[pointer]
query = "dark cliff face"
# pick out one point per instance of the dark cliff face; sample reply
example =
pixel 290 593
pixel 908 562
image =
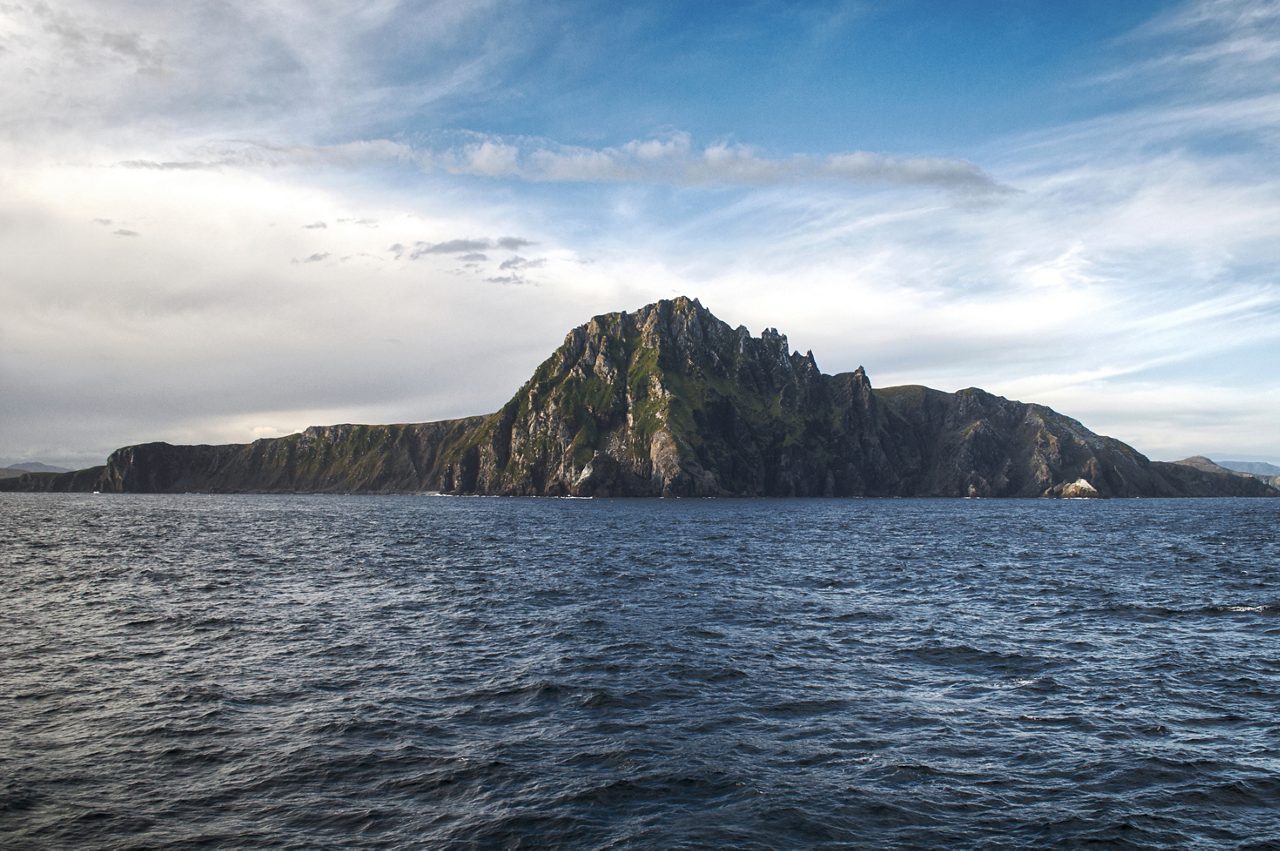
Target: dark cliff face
pixel 327 459
pixel 972 443
pixel 670 401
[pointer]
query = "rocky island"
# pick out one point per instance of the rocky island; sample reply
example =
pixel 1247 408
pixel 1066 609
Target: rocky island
pixel 670 401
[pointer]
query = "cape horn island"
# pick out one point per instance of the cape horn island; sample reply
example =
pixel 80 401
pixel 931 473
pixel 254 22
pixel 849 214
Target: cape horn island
pixel 668 400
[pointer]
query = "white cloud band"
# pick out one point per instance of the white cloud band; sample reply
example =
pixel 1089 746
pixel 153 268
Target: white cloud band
pixel 667 160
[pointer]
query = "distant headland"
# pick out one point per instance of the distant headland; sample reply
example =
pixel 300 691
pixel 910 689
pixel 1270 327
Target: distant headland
pixel 670 401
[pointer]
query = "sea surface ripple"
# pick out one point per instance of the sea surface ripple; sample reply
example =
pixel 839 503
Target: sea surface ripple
pixel 303 671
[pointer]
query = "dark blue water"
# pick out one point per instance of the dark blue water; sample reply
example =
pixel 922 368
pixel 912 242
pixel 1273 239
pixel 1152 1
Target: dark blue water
pixel 416 671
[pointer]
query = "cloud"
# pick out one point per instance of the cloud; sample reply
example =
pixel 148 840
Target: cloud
pixel 315 226
pixel 1225 45
pixel 89 44
pixel 106 70
pixel 452 246
pixel 469 247
pixel 130 46
pixel 516 266
pixel 125 232
pixel 519 263
pixel 670 160
pixel 171 165
pixel 336 73
pixel 492 159
pixel 251 154
pixel 474 257
pixel 512 243
pixel 921 171
pixel 673 159
pixel 315 258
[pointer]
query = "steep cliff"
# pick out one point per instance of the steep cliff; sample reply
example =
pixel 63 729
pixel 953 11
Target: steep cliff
pixel 670 401
pixel 972 443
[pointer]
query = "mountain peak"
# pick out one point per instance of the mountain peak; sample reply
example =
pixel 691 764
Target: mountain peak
pixel 681 304
pixel 1204 464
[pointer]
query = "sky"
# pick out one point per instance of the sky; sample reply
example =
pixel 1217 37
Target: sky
pixel 224 220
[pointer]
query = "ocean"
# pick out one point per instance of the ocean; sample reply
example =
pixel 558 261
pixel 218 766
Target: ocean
pixel 418 671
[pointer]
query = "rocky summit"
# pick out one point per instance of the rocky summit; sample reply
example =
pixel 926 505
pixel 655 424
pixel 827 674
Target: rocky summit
pixel 670 401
